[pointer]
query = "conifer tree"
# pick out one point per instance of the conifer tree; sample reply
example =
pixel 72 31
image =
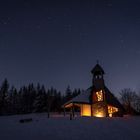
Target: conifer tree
pixel 4 97
pixel 68 93
pixel 40 100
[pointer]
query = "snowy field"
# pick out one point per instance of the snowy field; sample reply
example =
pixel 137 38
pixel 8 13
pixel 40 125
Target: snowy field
pixel 61 128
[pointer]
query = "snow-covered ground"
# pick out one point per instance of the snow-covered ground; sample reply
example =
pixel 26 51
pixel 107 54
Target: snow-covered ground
pixel 61 128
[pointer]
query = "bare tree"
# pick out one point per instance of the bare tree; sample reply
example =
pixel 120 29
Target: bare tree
pixel 128 98
pixel 137 103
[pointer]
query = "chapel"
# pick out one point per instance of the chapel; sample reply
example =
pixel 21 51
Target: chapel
pixel 97 100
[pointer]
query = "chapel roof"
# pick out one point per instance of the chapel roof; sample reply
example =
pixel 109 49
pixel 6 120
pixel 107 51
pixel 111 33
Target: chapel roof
pixel 84 98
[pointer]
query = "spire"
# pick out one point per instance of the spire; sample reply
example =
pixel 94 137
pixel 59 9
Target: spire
pixel 97 61
pixel 98 79
pixel 97 69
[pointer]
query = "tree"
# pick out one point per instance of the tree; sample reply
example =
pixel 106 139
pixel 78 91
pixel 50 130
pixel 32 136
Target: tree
pixel 4 97
pixel 76 92
pixel 27 95
pixel 13 101
pixel 68 93
pixel 137 103
pixel 128 98
pixel 31 96
pixel 50 99
pixel 40 100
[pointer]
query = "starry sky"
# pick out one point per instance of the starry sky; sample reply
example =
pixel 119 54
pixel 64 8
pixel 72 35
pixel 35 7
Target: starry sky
pixel 57 42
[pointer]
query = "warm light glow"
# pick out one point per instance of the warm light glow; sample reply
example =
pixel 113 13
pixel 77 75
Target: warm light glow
pixel 99 109
pixel 85 110
pixel 71 105
pixel 99 95
pixel 112 110
pixel 68 105
pixel 99 113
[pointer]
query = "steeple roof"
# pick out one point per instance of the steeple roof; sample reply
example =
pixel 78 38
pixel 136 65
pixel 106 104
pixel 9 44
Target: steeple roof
pixel 97 70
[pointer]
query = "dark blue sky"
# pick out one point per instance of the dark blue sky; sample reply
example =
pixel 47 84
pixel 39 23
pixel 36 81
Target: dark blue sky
pixel 57 42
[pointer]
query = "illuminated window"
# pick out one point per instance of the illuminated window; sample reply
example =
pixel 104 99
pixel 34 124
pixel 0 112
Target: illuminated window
pixel 99 95
pixel 85 110
pixel 112 110
pixel 99 109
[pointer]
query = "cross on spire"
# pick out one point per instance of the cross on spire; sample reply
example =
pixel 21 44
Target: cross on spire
pixel 97 61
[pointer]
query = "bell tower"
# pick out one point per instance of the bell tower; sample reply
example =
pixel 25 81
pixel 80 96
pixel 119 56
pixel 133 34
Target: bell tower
pixel 98 77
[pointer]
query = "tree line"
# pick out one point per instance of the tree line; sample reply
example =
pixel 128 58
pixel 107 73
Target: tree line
pixel 37 99
pixel 31 98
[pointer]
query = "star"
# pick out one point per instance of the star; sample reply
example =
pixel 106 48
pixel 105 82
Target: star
pixel 83 35
pixel 122 41
pixel 38 26
pixel 49 18
pixel 138 52
pixel 126 65
pixel 109 5
pixel 68 27
pixel 4 22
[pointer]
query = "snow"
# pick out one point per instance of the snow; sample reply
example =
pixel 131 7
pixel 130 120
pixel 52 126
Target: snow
pixel 61 128
pixel 83 97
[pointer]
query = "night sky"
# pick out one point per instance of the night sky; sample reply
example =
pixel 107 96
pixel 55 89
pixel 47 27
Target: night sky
pixel 57 43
